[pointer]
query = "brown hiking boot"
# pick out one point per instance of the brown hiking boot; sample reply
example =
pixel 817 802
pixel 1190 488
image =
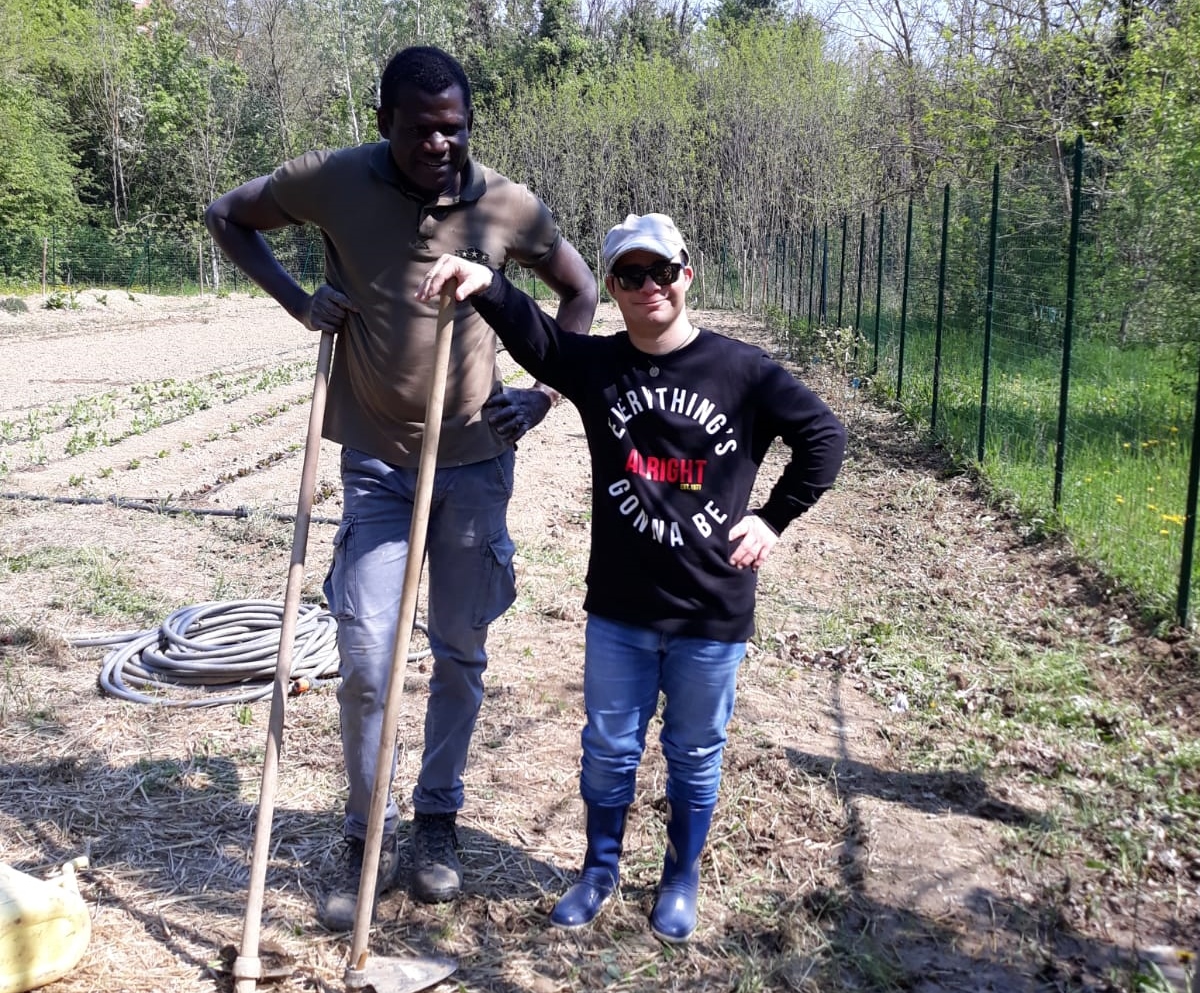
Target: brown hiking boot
pixel 437 872
pixel 336 906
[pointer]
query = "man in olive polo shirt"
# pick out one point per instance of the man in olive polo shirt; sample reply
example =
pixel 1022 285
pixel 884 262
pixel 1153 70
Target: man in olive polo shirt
pixel 386 212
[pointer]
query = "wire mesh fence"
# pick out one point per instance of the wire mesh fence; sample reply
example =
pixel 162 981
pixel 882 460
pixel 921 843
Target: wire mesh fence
pixel 1004 316
pixel 58 261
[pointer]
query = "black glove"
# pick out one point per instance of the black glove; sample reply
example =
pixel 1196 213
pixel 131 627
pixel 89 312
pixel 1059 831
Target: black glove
pixel 513 412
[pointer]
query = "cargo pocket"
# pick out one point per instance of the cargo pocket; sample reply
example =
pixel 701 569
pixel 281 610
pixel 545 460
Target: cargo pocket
pixel 339 580
pixel 500 581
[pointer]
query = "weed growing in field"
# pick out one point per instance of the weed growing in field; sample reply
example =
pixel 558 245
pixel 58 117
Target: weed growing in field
pixel 61 301
pixel 99 584
pixel 83 441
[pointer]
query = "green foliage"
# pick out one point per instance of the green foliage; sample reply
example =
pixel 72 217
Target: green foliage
pixel 36 174
pixel 60 301
pixel 1150 241
pixel 732 15
pixel 38 168
pixel 751 127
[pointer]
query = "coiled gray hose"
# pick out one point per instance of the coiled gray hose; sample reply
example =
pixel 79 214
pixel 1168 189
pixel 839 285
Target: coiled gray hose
pixel 228 648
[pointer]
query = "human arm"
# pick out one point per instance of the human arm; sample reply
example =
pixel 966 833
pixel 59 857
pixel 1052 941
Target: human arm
pixel 513 411
pixel 568 275
pixel 531 335
pixel 235 220
pixel 792 412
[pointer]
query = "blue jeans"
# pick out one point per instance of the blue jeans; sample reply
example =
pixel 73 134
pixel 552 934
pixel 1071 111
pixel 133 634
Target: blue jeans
pixel 471 583
pixel 624 670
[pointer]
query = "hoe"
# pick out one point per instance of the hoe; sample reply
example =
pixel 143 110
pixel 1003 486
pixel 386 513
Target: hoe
pixel 381 974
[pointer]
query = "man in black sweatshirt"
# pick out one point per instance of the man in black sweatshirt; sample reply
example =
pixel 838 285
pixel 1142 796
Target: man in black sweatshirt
pixel 678 419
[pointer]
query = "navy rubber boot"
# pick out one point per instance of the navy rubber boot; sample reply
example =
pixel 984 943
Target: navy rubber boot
pixel 600 875
pixel 673 918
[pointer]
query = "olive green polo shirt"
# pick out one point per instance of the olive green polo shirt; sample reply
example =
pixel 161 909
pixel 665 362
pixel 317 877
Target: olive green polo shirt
pixel 380 240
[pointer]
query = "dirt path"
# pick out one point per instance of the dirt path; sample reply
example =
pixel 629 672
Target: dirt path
pixel 860 844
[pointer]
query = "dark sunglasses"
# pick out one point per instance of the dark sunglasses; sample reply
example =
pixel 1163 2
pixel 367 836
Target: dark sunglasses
pixel 631 277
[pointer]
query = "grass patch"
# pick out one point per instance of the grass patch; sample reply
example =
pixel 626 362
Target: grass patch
pixel 1011 707
pixel 91 582
pixel 1127 443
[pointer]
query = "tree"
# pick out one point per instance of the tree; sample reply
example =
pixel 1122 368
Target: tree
pixel 39 42
pixel 1150 239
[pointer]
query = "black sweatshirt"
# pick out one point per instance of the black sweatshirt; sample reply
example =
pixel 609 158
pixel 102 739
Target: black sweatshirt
pixel 675 442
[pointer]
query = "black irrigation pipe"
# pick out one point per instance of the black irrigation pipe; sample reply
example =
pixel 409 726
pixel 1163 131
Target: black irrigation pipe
pixel 159 507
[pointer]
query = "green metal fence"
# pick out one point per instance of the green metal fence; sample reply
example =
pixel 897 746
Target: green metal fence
pixel 60 260
pixel 995 314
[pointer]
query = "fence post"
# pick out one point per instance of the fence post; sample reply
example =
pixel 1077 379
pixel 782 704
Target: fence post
pixel 988 309
pixel 904 299
pixel 1182 601
pixel 941 310
pixel 800 273
pixel 823 311
pixel 842 273
pixel 1068 323
pixel 862 241
pixel 785 293
pixel 878 292
pixel 738 287
pixel 812 274
pixel 722 293
pixel 780 268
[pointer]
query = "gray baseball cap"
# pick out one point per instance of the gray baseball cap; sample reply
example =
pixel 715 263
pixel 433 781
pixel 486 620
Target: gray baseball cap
pixel 652 232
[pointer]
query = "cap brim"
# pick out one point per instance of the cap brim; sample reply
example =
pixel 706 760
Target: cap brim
pixel 645 245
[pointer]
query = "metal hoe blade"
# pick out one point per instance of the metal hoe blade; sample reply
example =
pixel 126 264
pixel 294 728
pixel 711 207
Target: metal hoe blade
pixel 394 975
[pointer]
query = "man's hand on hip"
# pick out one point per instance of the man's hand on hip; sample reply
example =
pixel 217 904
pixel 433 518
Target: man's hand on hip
pixel 513 412
pixel 327 310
